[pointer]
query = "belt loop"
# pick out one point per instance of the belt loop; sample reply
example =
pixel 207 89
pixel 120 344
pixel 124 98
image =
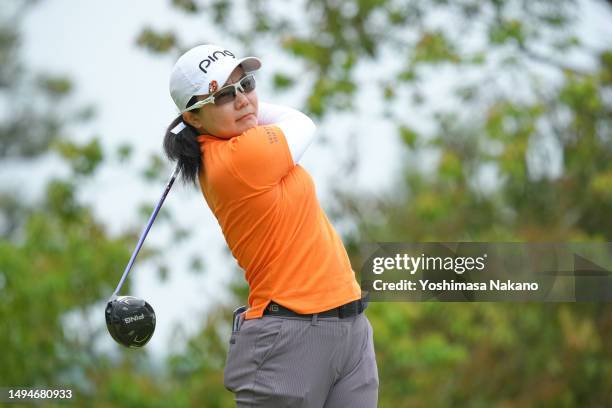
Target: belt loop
pixel 315 317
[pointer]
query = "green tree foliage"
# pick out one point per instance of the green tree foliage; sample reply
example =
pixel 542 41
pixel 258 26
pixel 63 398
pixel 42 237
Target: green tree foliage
pixel 525 114
pixel 57 261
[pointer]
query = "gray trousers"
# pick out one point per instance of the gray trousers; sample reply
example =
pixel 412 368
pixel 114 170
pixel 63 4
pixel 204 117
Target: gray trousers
pixel 292 362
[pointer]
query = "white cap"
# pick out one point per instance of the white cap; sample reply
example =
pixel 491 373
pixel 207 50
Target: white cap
pixel 202 70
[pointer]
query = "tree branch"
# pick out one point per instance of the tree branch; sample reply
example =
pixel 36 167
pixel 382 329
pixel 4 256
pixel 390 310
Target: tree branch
pixel 550 61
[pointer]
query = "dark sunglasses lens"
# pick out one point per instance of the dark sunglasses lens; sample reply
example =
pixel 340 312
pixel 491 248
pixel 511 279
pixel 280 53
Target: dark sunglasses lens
pixel 229 94
pixel 248 83
pixel 225 95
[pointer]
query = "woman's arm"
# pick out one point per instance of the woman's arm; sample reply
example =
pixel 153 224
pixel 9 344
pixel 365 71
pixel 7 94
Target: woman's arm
pixel 299 129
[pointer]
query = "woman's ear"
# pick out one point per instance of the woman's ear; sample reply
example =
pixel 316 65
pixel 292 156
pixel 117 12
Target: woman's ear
pixel 194 120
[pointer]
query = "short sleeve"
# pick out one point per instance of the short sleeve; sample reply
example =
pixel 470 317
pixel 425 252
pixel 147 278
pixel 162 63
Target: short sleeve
pixel 260 156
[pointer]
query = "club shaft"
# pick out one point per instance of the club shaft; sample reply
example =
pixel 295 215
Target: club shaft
pixel 144 233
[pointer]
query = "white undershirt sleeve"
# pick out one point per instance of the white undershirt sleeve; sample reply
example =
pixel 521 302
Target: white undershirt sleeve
pixel 299 129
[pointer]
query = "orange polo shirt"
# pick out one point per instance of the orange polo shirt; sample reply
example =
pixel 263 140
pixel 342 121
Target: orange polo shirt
pixel 273 223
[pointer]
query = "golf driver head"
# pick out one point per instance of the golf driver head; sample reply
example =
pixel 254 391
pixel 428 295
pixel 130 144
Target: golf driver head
pixel 130 321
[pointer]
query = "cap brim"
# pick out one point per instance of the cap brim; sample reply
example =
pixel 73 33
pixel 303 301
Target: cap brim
pixel 249 64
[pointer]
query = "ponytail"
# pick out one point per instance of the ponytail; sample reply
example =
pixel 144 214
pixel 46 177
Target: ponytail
pixel 181 145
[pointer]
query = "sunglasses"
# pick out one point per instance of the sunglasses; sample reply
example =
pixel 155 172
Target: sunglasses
pixel 228 93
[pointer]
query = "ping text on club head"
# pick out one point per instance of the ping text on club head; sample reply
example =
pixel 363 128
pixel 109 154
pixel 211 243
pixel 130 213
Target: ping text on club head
pixel 133 319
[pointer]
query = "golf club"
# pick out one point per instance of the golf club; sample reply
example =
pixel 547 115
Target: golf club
pixel 130 320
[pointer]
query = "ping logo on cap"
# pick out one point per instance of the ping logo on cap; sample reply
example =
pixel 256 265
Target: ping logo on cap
pixel 213 58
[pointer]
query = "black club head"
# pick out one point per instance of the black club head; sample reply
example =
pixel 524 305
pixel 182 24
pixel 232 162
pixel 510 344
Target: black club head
pixel 130 321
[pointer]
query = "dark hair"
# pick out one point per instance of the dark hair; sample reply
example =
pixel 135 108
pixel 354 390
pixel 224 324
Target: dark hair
pixel 184 148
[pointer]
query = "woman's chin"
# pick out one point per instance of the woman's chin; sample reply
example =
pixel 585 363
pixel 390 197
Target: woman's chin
pixel 247 123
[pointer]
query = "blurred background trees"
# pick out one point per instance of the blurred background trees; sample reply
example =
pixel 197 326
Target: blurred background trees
pixel 519 149
pixel 54 255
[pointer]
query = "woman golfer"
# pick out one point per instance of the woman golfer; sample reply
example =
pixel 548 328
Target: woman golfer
pixel 303 341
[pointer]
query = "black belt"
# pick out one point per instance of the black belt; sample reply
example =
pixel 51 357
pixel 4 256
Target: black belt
pixel 347 310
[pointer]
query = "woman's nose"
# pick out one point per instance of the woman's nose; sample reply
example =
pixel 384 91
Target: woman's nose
pixel 241 99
